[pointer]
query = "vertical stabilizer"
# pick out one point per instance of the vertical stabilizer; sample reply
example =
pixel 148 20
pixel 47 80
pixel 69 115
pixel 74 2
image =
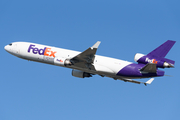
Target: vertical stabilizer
pixel 157 56
pixel 162 50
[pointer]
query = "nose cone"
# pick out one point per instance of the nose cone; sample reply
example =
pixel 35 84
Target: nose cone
pixel 6 47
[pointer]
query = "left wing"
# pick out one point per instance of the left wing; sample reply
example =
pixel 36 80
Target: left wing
pixel 86 58
pixel 138 82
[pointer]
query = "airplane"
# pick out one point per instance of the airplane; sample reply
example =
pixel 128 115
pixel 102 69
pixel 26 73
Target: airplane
pixel 87 63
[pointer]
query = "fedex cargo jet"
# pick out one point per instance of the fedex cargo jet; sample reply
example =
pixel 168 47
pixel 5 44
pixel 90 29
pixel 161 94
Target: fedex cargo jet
pixel 87 63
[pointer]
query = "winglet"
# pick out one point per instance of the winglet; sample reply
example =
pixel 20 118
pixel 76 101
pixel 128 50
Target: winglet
pixel 149 81
pixel 96 45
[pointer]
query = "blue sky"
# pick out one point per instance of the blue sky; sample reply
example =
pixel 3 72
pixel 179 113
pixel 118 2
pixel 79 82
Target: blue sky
pixel 34 91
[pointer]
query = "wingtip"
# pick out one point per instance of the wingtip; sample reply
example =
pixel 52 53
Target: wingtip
pixel 96 45
pixel 149 81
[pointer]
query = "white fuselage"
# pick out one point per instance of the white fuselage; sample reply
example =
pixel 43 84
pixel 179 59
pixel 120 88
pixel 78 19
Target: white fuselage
pixel 104 66
pixel 87 63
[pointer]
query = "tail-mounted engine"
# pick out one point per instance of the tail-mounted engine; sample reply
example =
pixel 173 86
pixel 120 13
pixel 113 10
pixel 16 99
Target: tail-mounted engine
pixel 160 62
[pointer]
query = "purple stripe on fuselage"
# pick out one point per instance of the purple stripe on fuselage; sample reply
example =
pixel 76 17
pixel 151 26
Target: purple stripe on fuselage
pixel 132 70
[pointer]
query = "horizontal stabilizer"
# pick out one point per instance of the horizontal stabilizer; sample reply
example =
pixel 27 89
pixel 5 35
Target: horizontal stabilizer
pixel 150 68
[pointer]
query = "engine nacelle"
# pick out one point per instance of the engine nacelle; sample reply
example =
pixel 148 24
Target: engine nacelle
pixel 160 62
pixel 80 74
pixel 61 61
pixel 138 56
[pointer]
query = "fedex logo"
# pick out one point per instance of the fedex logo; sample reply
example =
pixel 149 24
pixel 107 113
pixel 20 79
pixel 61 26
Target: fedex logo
pixel 151 61
pixel 45 51
pixel 59 60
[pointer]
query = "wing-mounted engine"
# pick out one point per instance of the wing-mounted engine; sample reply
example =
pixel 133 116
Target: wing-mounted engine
pixel 160 62
pixel 80 74
pixel 61 61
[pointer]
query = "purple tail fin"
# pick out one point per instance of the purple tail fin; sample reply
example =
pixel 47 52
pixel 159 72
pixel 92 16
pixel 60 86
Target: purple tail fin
pixel 163 49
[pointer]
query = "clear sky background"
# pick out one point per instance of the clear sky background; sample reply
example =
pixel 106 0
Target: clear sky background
pixel 36 91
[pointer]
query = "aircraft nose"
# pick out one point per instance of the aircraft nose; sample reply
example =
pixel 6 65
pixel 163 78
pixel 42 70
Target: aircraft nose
pixel 6 47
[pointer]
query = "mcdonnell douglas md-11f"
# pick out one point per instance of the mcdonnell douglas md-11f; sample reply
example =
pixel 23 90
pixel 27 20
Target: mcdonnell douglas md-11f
pixel 87 63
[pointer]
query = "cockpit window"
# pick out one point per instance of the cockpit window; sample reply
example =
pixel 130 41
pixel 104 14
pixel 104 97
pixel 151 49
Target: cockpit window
pixel 10 44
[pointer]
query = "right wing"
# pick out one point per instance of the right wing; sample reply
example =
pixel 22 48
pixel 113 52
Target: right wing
pixel 86 58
